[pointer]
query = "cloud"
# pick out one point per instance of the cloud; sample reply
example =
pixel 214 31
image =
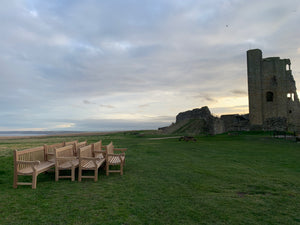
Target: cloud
pixel 64 126
pixel 239 92
pixel 156 58
pixel 144 105
pixel 107 106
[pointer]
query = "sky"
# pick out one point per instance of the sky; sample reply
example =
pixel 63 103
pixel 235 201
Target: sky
pixel 133 64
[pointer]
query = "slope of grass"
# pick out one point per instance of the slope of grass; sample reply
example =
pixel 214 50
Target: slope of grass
pixel 243 179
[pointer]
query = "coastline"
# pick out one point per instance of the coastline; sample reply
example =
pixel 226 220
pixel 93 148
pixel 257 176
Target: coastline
pixel 61 135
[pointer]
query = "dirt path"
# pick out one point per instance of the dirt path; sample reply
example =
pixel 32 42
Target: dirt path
pixel 163 138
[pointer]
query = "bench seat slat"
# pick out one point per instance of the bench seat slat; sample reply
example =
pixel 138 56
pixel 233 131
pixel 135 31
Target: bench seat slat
pixel 91 165
pixel 69 164
pixel 116 160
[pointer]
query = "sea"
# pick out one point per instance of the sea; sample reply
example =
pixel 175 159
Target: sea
pixel 33 133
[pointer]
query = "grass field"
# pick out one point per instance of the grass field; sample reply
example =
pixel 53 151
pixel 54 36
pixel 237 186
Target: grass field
pixel 242 179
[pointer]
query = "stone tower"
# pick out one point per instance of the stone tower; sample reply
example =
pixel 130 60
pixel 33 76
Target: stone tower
pixel 273 99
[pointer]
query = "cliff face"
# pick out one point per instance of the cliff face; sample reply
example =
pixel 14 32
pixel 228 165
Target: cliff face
pixel 201 121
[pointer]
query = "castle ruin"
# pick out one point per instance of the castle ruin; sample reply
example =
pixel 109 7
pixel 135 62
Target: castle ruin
pixel 273 99
pixel 273 102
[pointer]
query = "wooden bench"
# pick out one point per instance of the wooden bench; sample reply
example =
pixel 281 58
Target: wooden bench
pixel 113 159
pixel 65 160
pixel 88 161
pixel 31 162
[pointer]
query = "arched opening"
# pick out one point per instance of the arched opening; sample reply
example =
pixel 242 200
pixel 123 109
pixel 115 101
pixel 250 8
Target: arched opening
pixel 291 96
pixel 269 96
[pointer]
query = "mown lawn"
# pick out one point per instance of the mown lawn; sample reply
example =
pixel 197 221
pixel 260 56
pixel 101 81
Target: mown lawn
pixel 243 179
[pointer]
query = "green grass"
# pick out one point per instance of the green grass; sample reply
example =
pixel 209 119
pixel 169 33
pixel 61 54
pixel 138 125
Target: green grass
pixel 242 179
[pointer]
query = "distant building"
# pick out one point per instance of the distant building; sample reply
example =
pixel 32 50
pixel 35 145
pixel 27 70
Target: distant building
pixel 273 99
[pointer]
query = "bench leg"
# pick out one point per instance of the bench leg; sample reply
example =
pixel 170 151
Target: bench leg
pixel 96 175
pixel 73 173
pixel 107 169
pixel 56 173
pixel 79 174
pixel 15 180
pixel 34 179
pixel 121 169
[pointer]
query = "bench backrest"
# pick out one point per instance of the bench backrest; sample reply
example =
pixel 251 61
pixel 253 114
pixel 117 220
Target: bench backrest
pixel 97 146
pixel 50 148
pixel 65 151
pixel 110 149
pixel 78 146
pixel 70 142
pixel 31 154
pixel 86 151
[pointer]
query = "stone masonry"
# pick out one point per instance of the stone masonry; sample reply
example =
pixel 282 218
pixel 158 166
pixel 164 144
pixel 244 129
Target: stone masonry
pixel 273 99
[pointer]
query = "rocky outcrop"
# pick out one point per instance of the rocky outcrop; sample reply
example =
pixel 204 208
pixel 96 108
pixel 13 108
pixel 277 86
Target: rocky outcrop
pixel 201 121
pixel 202 113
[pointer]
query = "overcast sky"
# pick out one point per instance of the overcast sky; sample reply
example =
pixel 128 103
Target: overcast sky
pixel 133 64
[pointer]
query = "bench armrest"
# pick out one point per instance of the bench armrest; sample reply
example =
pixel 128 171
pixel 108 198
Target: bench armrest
pixel 37 162
pixel 93 159
pixel 121 154
pixel 32 164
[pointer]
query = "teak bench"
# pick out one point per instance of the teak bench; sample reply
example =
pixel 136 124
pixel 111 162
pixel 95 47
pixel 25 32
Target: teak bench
pixel 114 159
pixel 65 160
pixel 88 160
pixel 31 162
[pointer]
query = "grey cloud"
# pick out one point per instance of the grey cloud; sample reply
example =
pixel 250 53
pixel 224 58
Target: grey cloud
pixel 52 53
pixel 240 92
pixel 107 106
pixel 105 125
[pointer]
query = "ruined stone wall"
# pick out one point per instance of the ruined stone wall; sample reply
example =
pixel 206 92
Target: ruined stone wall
pixel 272 93
pixel 202 113
pixel 200 120
pixel 235 122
